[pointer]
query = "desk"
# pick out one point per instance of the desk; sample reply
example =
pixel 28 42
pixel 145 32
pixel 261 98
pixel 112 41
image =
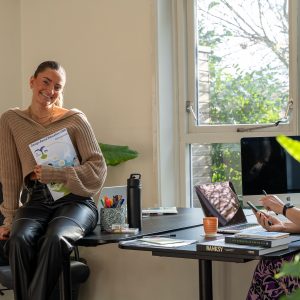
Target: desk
pixel 204 260
pixel 154 224
pixel 160 224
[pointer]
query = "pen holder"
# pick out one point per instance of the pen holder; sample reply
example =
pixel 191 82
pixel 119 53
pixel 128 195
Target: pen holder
pixel 110 216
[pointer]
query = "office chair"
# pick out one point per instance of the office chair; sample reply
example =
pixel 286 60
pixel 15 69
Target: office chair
pixel 79 271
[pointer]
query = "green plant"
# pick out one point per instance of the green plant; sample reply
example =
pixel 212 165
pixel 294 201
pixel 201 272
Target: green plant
pixel 290 268
pixel 115 154
pixel 290 145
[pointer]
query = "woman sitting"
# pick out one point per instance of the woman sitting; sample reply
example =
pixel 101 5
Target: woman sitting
pixel 264 285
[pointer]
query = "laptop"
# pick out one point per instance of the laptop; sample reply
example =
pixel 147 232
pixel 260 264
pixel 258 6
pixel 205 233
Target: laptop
pixel 220 200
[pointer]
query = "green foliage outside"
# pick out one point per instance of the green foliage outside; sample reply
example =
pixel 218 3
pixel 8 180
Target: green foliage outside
pixel 241 96
pixel 225 164
pixel 247 96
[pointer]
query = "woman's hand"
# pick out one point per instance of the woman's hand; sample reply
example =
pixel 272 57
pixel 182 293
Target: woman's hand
pixel 4 233
pixel 272 202
pixel 37 173
pixel 270 223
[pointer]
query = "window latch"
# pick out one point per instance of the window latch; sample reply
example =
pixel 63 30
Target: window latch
pixel 189 108
pixel 285 119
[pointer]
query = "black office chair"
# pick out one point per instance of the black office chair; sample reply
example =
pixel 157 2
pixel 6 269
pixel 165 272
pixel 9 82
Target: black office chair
pixel 79 271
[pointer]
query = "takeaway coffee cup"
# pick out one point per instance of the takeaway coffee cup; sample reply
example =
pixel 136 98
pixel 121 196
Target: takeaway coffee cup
pixel 210 225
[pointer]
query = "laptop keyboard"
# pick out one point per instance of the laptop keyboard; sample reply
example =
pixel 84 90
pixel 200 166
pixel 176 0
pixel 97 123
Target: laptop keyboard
pixel 237 227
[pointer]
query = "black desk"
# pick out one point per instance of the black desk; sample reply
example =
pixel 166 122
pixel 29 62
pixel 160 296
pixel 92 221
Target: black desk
pixel 204 260
pixel 154 224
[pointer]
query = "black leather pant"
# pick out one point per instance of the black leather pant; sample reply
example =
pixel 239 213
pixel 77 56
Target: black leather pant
pixel 42 237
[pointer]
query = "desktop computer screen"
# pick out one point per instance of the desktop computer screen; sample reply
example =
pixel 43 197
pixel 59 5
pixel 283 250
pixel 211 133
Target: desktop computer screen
pixel 267 166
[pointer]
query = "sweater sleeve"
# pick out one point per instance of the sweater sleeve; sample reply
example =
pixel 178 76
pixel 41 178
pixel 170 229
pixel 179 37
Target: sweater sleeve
pixel 10 171
pixel 87 178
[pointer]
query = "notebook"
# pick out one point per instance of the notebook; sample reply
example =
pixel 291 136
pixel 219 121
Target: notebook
pixel 220 200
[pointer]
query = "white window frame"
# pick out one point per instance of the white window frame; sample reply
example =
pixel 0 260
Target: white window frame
pixel 183 88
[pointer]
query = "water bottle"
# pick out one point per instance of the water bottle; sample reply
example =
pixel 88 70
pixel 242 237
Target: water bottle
pixel 134 210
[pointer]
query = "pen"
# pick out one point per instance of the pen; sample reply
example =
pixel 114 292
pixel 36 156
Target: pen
pixel 265 193
pixel 121 202
pixel 102 202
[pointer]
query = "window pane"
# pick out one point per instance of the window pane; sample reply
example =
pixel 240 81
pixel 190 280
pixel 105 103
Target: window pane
pixel 242 61
pixel 214 163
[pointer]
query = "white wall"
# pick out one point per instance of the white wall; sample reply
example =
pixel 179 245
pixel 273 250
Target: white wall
pixel 108 50
pixel 10 50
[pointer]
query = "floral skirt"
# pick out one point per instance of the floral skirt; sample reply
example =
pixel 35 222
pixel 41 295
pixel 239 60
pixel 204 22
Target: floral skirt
pixel 264 286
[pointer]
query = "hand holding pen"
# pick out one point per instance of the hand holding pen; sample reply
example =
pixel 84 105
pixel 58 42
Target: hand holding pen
pixel 272 203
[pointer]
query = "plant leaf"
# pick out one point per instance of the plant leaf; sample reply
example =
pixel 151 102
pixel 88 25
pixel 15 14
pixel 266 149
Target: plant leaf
pixel 290 268
pixel 290 145
pixel 115 154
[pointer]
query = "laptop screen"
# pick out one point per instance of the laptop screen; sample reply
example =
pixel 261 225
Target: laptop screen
pixel 220 200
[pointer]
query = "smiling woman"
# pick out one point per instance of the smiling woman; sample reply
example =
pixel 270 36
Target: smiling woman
pixel 41 233
pixel 47 85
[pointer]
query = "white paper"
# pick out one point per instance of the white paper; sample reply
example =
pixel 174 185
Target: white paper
pixel 161 242
pixel 160 210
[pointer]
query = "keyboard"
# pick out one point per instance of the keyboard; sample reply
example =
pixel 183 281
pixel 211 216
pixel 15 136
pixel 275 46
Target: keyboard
pixel 237 227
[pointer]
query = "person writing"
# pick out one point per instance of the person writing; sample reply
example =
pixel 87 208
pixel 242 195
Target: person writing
pixel 264 285
pixel 41 233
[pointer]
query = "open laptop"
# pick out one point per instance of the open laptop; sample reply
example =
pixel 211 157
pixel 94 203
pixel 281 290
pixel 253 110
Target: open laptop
pixel 220 200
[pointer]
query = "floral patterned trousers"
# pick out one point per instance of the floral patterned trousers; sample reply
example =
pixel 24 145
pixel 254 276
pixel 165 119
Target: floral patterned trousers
pixel 264 286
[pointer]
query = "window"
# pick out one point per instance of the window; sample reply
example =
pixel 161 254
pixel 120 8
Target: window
pixel 242 61
pixel 237 77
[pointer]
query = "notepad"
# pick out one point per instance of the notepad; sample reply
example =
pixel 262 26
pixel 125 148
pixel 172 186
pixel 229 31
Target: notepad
pixel 161 241
pixel 261 234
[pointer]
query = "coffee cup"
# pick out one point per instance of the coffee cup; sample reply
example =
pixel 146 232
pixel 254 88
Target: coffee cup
pixel 210 225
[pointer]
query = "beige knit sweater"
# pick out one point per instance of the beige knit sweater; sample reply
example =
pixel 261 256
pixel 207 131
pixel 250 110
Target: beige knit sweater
pixel 18 130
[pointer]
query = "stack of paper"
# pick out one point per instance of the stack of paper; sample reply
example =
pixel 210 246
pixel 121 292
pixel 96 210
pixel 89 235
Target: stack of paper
pixel 160 210
pixel 161 241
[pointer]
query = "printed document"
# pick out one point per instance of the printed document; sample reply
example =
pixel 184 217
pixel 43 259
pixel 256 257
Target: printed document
pixel 58 151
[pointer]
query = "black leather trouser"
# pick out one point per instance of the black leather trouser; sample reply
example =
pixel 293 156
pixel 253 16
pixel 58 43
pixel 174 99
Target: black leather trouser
pixel 42 237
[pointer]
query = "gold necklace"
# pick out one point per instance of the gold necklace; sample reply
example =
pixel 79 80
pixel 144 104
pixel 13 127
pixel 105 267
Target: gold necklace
pixel 44 119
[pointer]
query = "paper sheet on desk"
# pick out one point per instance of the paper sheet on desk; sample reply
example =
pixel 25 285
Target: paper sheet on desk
pixel 162 242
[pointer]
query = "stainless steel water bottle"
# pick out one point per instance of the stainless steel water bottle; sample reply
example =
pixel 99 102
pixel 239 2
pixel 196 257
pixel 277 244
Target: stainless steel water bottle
pixel 134 210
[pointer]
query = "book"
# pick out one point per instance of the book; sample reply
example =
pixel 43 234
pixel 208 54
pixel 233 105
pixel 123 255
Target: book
pixel 160 210
pixel 261 233
pixel 58 151
pixel 267 243
pixel 220 247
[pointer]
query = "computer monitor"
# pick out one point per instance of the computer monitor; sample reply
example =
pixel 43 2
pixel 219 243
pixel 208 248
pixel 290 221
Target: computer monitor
pixel 267 166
